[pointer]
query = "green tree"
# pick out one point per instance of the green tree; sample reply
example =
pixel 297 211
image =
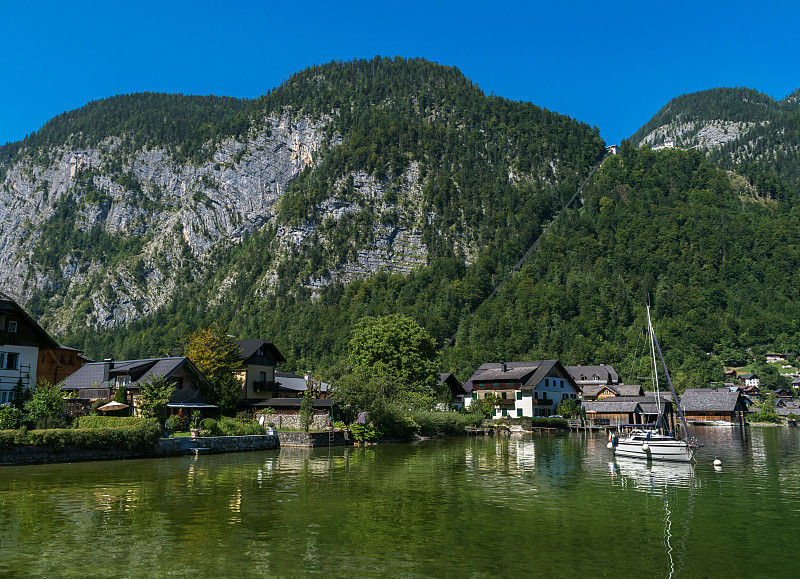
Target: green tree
pixel 765 410
pixel 156 392
pixel 46 406
pixel 21 395
pixel 217 357
pixel 307 410
pixel 213 352
pixel 398 352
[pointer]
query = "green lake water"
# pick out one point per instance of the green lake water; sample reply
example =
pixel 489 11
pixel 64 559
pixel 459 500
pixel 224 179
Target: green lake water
pixel 554 505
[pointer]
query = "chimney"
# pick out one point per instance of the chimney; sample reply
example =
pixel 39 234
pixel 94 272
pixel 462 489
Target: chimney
pixel 504 366
pixel 108 364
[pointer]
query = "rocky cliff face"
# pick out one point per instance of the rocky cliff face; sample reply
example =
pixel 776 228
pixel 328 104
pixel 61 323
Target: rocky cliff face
pixel 176 216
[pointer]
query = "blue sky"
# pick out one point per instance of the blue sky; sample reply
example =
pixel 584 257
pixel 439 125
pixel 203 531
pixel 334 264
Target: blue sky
pixel 612 65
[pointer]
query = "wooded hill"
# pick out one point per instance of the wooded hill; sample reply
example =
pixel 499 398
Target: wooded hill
pixel 479 177
pixel 740 129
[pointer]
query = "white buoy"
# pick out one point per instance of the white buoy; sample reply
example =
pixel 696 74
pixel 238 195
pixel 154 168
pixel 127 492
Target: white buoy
pixel 717 462
pixel 645 447
pixel 610 445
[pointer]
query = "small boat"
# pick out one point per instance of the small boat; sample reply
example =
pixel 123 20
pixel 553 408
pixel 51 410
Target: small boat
pixel 654 441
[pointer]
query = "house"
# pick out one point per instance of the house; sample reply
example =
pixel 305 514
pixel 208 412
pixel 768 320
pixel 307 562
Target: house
pixel 457 391
pixel 773 358
pixel 101 380
pixel 593 375
pixel 600 392
pixel 522 388
pixel 55 364
pixel 786 407
pixel 21 340
pixel 257 371
pixel 613 412
pixel 713 404
pixel 749 380
pixel 783 394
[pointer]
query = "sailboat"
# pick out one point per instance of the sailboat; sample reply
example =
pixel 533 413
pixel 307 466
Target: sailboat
pixel 654 441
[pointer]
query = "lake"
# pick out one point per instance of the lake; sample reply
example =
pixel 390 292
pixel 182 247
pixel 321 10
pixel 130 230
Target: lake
pixel 551 505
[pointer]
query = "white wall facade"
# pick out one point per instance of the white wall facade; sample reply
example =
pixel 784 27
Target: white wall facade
pixel 27 356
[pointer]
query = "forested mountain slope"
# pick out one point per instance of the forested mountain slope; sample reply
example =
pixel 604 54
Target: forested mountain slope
pixel 742 130
pixel 166 212
pixel 718 264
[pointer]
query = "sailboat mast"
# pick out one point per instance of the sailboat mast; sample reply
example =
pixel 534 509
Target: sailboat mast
pixel 653 354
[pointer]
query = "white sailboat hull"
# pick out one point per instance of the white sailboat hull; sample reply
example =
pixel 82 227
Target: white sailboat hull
pixel 666 449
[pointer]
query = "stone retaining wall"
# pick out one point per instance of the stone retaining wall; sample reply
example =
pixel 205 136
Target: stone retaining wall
pixel 340 438
pixel 293 421
pixel 163 447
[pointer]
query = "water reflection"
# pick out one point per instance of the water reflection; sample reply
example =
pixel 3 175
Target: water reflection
pixel 660 481
pixel 394 509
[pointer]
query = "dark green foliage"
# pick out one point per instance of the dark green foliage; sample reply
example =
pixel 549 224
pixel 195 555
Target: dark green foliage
pixel 361 432
pixel 209 425
pixel 10 418
pixel 766 151
pixel 237 427
pixel 306 410
pixel 444 423
pixel 110 421
pixel 140 437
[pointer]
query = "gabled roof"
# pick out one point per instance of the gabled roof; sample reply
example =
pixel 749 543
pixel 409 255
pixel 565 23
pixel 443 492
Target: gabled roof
pixel 529 373
pixel 612 406
pixel 711 400
pixel 94 373
pixel 250 347
pixel 294 382
pixel 590 390
pixel 43 339
pixel 606 374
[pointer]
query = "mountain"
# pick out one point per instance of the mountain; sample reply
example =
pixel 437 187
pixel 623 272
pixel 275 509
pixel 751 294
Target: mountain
pixel 742 130
pixel 140 205
pixel 396 186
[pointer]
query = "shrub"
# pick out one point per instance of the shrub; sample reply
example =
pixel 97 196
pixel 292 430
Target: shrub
pixel 209 425
pixel 444 423
pixel 10 418
pixel 363 432
pixel 393 422
pixel 109 421
pixel 176 423
pixel 339 424
pixel 236 427
pixel 140 437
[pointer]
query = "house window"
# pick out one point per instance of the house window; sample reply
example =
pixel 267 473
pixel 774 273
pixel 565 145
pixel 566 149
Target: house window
pixel 71 360
pixel 9 361
pixel 123 380
pixel 503 395
pixel 546 383
pixel 561 383
pixel 519 395
pixel 12 327
pixel 519 411
pixel 62 359
pixel 536 395
pixel 474 395
pixel 505 412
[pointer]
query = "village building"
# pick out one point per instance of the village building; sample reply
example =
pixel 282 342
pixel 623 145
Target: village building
pixel 612 412
pixel 522 388
pixel 713 405
pixel 457 391
pixel 600 392
pixel 257 371
pixel 601 375
pixel 21 341
pixel 55 364
pixel 101 381
pixel 749 380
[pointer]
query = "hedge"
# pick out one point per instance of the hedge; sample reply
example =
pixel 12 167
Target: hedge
pixel 110 421
pixel 141 437
pixel 443 423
